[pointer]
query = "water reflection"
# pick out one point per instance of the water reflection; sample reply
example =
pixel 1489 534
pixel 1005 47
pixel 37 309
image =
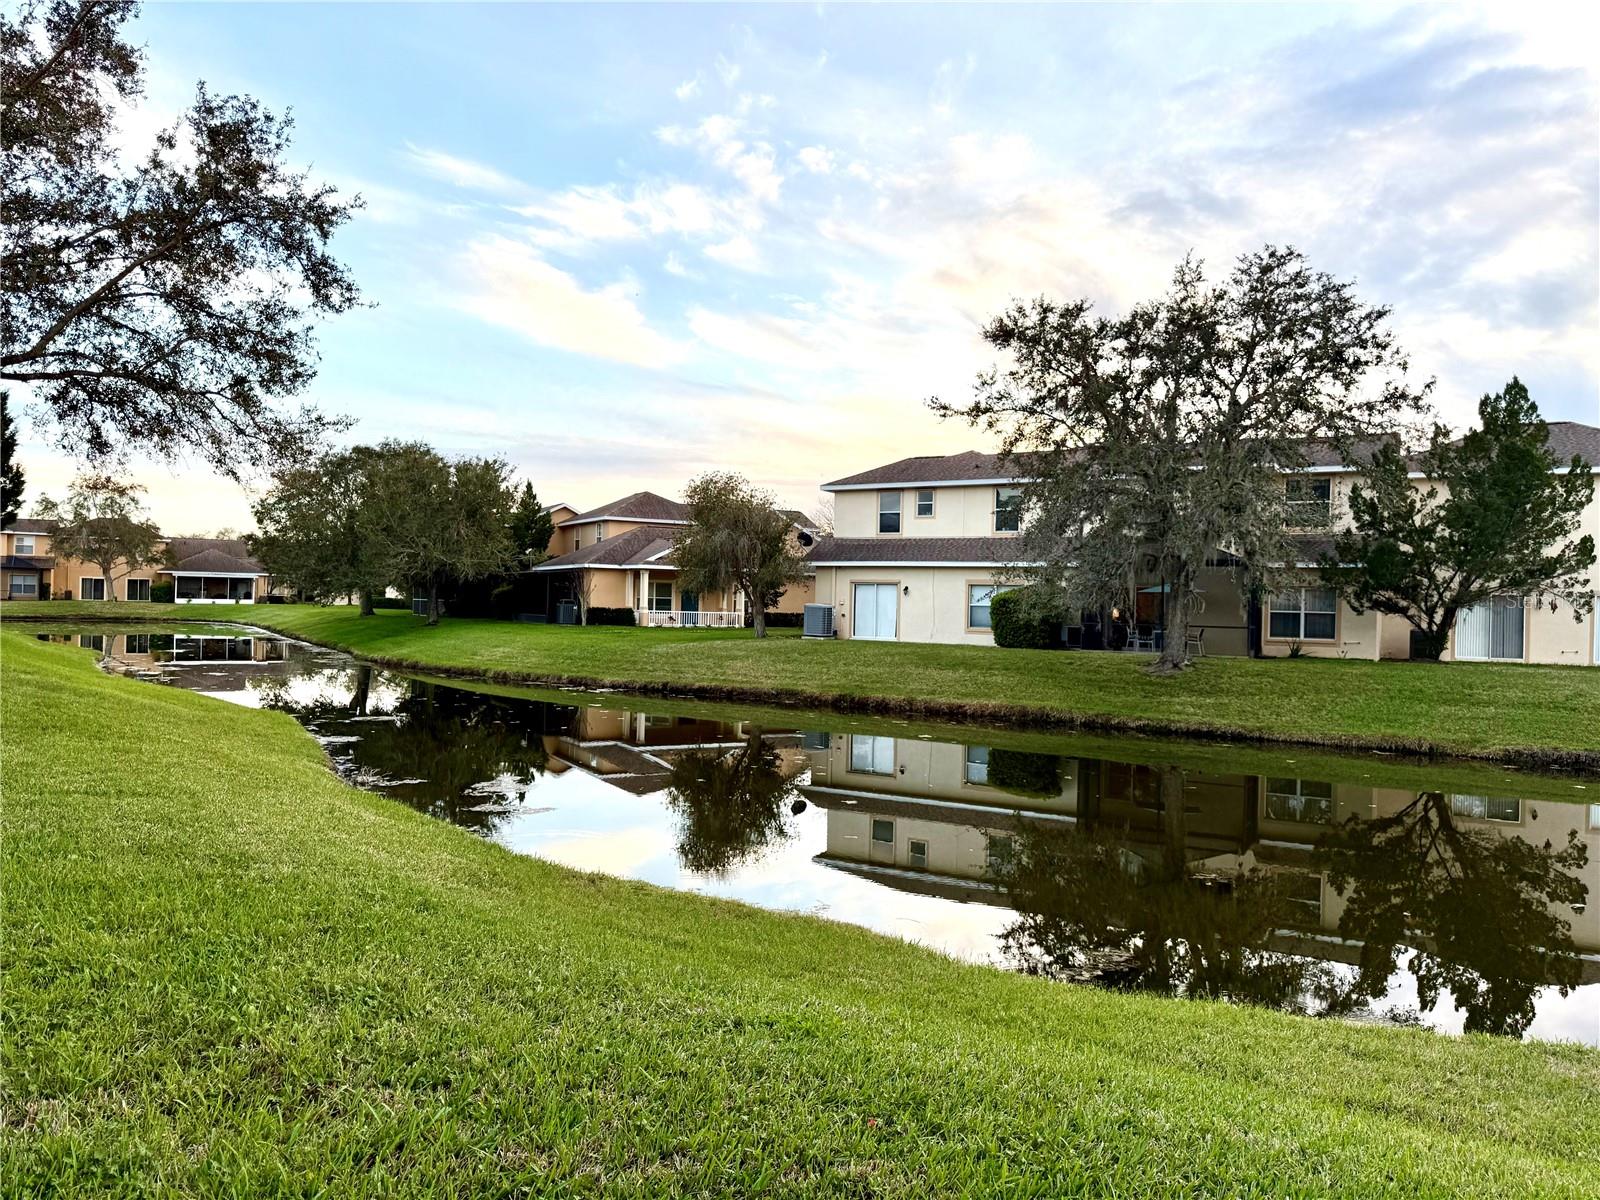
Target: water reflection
pixel 1324 897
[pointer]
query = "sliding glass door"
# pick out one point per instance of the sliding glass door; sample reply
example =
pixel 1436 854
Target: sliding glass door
pixel 1491 630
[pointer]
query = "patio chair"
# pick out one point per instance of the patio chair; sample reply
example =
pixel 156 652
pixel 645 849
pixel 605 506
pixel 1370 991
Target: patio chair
pixel 1194 644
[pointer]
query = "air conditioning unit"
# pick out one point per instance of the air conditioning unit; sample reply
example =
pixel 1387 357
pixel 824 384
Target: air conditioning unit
pixel 566 612
pixel 818 621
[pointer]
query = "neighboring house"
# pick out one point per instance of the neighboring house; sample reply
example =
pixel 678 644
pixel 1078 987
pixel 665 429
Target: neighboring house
pixel 922 545
pixel 199 570
pixel 619 556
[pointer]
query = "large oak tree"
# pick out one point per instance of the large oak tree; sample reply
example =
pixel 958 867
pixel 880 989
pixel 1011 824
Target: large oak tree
pixel 164 302
pixel 1155 441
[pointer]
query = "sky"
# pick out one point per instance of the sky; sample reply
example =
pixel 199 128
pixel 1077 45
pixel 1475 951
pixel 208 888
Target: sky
pixel 623 245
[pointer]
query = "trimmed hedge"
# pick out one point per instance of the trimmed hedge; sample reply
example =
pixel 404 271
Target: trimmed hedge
pixel 162 593
pixel 610 616
pixel 778 620
pixel 1024 619
pixel 391 602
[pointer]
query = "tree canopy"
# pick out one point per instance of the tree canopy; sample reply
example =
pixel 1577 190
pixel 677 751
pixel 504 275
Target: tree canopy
pixel 164 303
pixel 310 532
pixel 737 540
pixel 732 804
pixel 1497 515
pixel 102 521
pixel 1154 441
pixel 13 483
pixel 531 528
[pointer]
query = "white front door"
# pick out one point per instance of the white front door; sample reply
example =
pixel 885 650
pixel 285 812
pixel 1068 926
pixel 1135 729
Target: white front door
pixel 875 610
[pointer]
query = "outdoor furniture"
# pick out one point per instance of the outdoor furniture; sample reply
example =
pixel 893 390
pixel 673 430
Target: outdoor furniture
pixel 1194 644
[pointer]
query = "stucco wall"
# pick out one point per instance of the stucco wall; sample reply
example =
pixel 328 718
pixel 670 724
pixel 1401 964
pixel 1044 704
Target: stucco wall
pixel 958 511
pixel 931 601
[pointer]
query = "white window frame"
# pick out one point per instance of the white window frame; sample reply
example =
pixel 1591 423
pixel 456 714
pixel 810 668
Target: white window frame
pixel 128 586
pixel 1300 613
pixel 916 507
pixel 914 856
pixel 895 512
pixel 22 543
pixel 16 593
pixel 1315 498
pixel 873 831
pixel 874 758
pixel 993 590
pixel 975 765
pixel 651 600
pixel 1296 794
pixel 1012 511
pixel 1483 808
pixel 97 580
pixel 1495 605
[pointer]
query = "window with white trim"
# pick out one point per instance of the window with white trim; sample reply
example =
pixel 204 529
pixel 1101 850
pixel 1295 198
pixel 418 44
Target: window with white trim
pixel 977 766
pixel 979 596
pixel 1303 614
pixel 888 512
pixel 925 502
pixel 871 755
pixel 1492 630
pixel 660 596
pixel 917 852
pixel 1007 510
pixel 883 831
pixel 137 589
pixel 1487 808
pixel 91 589
pixel 1303 801
pixel 24 585
pixel 1307 502
pixel 22 543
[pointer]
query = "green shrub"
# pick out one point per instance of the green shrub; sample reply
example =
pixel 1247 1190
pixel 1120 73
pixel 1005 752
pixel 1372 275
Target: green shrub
pixel 610 616
pixel 1024 618
pixel 161 593
pixel 391 602
pixel 1025 772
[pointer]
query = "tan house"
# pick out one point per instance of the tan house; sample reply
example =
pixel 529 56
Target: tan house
pixel 921 546
pixel 619 557
pixel 199 570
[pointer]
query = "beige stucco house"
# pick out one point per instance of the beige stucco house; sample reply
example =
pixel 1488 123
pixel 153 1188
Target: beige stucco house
pixel 619 557
pixel 921 546
pixel 199 570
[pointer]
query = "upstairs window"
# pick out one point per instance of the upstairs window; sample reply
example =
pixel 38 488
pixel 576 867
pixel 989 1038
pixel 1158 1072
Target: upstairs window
pixel 1307 502
pixel 24 543
pixel 925 502
pixel 888 512
pixel 1007 510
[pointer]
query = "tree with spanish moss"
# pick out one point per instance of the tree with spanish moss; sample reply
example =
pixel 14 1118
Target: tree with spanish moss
pixel 102 521
pixel 737 540
pixel 161 303
pixel 1155 441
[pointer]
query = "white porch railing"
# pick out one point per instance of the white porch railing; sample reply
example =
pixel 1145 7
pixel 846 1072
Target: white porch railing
pixel 677 618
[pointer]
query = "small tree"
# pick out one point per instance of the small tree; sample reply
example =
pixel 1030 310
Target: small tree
pixel 1495 517
pixel 103 522
pixel 531 528
pixel 310 532
pixel 12 481
pixel 1159 437
pixel 428 519
pixel 736 540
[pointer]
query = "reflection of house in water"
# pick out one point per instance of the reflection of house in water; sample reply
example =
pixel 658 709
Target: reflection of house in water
pixel 932 818
pixel 635 751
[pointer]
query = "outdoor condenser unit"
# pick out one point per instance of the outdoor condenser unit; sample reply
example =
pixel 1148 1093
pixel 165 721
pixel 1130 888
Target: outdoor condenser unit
pixel 818 621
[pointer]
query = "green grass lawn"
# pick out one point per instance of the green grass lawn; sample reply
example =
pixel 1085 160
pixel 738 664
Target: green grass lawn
pixel 227 973
pixel 1521 713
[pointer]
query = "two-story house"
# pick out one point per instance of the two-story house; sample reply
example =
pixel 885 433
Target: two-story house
pixel 619 556
pixel 34 565
pixel 921 546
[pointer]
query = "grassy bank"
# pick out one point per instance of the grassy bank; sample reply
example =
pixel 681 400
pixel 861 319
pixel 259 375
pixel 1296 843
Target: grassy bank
pixel 228 973
pixel 1528 714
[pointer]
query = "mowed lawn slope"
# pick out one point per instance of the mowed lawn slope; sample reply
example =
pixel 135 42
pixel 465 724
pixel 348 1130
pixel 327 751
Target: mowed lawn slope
pixel 1478 709
pixel 227 973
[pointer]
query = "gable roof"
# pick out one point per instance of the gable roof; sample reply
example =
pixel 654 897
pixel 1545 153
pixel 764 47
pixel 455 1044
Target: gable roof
pixel 645 546
pixel 31 525
pixel 969 466
pixel 220 556
pixel 1567 438
pixel 640 506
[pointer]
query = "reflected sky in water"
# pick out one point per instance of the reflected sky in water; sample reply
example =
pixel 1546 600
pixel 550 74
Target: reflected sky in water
pixel 1455 911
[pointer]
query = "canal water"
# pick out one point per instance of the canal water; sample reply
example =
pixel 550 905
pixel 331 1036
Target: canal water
pixel 1374 888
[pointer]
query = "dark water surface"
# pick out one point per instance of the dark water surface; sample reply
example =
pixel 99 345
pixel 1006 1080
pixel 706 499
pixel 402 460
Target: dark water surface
pixel 1369 887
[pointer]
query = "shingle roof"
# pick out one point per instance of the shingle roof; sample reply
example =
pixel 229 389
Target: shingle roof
pixel 979 551
pixel 1569 437
pixel 31 525
pixel 937 468
pixel 637 547
pixel 223 556
pixel 27 562
pixel 640 506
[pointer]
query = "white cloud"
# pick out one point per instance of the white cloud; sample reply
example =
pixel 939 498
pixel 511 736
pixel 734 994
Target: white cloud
pixel 512 287
pixel 816 159
pixel 673 265
pixel 738 251
pixel 462 172
pixel 727 71
pixel 688 89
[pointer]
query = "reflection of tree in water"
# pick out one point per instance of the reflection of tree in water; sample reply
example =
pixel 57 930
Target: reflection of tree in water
pixel 441 748
pixel 731 804
pixel 1477 907
pixel 1090 909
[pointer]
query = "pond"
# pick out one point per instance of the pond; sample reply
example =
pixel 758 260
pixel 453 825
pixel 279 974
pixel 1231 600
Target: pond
pixel 1374 887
